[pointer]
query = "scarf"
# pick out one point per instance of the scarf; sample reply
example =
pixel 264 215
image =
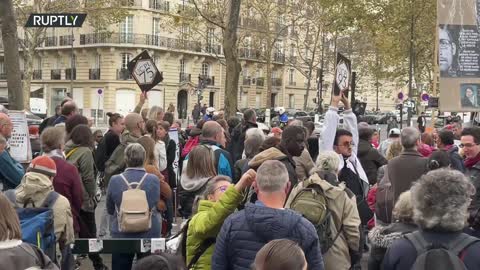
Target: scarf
pixel 55 153
pixel 470 162
pixel 448 147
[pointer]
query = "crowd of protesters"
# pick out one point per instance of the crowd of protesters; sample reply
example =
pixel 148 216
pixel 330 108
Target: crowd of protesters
pixel 240 189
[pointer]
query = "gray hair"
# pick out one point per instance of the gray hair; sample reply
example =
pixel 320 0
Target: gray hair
pixel 255 132
pixel 209 190
pixel 272 176
pixel 52 138
pixel 3 109
pixel 252 146
pixel 441 199
pixel 327 161
pixel 298 123
pixel 135 155
pixel 409 137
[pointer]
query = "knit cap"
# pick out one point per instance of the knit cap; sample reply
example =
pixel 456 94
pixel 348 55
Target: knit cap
pixel 43 165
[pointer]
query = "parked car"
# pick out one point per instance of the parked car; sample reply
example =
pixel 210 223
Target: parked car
pixel 301 115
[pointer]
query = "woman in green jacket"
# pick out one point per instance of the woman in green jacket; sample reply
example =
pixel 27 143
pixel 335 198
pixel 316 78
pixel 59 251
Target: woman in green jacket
pixel 220 200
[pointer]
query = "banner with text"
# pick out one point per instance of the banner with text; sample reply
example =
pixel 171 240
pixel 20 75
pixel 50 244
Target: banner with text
pixel 459 55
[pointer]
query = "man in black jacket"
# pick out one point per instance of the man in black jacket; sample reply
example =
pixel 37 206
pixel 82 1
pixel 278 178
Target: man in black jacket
pixel 369 157
pixel 238 134
pixel 445 142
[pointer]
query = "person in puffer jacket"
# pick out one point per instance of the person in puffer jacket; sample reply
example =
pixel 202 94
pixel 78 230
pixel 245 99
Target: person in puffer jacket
pixel 244 233
pixel 219 200
pixel 382 237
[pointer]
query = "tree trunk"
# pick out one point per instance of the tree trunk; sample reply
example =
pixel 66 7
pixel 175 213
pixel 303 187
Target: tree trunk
pixel 12 65
pixel 309 85
pixel 268 80
pixel 27 75
pixel 230 47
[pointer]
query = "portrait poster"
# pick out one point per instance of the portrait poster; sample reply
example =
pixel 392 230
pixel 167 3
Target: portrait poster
pixel 458 40
pixel 343 74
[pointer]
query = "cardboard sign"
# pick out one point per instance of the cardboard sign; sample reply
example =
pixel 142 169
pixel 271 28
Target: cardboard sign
pixel 144 71
pixel 20 148
pixel 343 74
pixel 458 42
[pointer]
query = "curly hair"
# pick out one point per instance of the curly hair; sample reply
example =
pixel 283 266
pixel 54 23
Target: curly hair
pixel 441 199
pixel 394 150
pixel 403 210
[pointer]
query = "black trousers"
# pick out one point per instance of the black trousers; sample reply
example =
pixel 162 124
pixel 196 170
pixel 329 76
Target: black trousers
pixel 88 229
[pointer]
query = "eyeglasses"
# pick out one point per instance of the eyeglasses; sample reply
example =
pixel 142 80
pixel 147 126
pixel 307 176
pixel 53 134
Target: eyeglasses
pixel 445 44
pixel 468 145
pixel 221 188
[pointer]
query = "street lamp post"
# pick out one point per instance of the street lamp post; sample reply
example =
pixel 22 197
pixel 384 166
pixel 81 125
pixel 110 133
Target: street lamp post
pixel 410 69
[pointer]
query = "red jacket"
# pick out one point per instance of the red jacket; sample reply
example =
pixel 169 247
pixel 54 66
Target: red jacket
pixel 371 199
pixel 67 182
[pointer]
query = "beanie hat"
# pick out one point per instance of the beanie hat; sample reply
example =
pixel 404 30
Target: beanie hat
pixel 43 165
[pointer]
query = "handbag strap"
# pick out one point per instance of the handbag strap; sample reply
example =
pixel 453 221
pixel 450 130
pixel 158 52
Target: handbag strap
pixel 201 250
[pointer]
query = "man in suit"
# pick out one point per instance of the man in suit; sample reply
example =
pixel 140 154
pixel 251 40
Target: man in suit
pixel 469 100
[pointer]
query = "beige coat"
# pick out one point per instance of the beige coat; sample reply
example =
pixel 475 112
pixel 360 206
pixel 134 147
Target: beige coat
pixel 304 164
pixel 37 186
pixel 344 211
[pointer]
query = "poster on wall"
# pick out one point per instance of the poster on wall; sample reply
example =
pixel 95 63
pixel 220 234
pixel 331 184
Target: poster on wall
pixel 20 148
pixel 458 39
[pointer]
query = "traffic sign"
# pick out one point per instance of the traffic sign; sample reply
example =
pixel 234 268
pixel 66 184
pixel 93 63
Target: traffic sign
pixel 100 91
pixel 400 96
pixel 425 97
pixel 144 71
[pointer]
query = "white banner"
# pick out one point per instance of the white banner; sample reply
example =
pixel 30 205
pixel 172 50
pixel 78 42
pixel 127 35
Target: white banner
pixel 20 148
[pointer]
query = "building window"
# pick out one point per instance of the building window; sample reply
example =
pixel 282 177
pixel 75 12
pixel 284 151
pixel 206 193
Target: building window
pixel 156 27
pixel 205 69
pixel 291 74
pixel 182 66
pixel 258 100
pixel 292 50
pixel 2 67
pixel 291 101
pixel 126 30
pixel 126 57
pixel 212 99
pixel 38 63
pixel 244 100
pixel 210 39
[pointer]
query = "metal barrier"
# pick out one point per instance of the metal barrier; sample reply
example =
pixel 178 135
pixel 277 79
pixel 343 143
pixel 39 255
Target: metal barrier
pixel 119 245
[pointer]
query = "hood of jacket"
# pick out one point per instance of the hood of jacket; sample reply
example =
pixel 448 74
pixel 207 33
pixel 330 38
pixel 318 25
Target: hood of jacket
pixel 384 237
pixel 272 153
pixel 127 138
pixel 330 190
pixel 34 186
pixel 363 148
pixel 69 146
pixel 193 184
pixel 275 223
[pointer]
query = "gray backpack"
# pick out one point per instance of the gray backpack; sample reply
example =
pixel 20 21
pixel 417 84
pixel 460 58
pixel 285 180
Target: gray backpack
pixel 440 256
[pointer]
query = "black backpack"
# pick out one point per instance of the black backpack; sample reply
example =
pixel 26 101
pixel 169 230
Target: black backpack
pixel 440 256
pixel 182 247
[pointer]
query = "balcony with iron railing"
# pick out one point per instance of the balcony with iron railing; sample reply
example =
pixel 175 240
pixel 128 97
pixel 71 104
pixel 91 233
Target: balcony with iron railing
pixel 208 80
pixel 160 5
pixel 249 53
pixel 279 57
pixel 292 83
pixel 37 74
pixel 66 40
pixel 276 82
pixel 70 74
pixel 260 82
pixel 3 75
pixel 56 74
pixel 94 74
pixel 214 49
pixel 185 77
pixel 131 3
pixel 124 74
